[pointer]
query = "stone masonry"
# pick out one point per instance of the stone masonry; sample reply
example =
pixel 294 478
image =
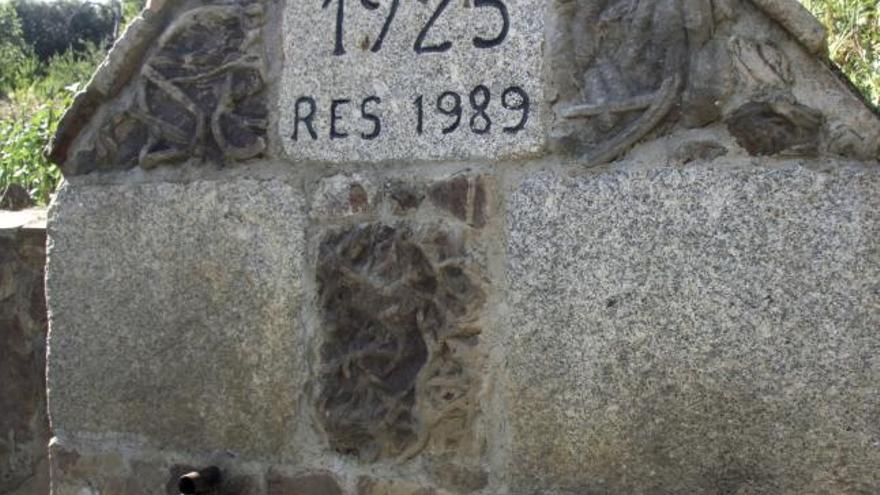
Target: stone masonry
pixel 24 425
pixel 555 247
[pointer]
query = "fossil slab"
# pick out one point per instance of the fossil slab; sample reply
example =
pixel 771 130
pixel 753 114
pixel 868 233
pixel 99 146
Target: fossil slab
pixel 402 295
pixel 198 92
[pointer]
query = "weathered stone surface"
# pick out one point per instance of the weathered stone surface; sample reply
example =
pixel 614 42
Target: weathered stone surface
pixel 74 473
pixel 344 195
pixel 200 94
pixel 366 63
pixel 399 359
pixel 175 313
pixel 683 330
pixel 306 484
pixel 799 22
pixel 695 331
pixel 625 66
pixel 774 128
pixel 393 80
pixel 232 481
pixel 621 72
pixel 24 426
pixel 457 478
pixel 700 150
pixel 373 486
pixel 404 195
pixel 463 196
pixel 117 471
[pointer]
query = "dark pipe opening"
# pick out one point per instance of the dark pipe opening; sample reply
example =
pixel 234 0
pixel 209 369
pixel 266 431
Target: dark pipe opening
pixel 199 481
pixel 187 486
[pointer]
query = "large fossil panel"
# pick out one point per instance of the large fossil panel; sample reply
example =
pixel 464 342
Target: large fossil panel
pixel 198 93
pixel 623 72
pixel 630 63
pixel 397 360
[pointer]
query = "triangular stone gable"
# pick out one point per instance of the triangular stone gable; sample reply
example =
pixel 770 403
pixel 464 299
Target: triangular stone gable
pixel 189 79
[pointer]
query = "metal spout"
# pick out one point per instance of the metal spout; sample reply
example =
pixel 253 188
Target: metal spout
pixel 199 481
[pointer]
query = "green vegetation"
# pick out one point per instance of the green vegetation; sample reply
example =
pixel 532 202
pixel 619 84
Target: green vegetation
pixel 29 116
pixel 854 40
pixel 48 50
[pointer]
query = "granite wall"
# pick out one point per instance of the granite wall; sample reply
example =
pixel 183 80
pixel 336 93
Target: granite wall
pixel 672 329
pixel 24 425
pixel 632 250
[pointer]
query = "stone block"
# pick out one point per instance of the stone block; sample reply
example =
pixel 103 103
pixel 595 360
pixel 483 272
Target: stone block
pixel 402 288
pixel 75 473
pixel 377 81
pixel 344 195
pixel 175 314
pixel 404 196
pixel 457 478
pixel 112 471
pixel 320 483
pixel 199 72
pixel 695 331
pixel 24 426
pixel 465 197
pixel 400 351
pixel 372 486
pixel 773 128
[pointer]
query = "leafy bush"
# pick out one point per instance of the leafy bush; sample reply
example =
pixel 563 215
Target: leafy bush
pixel 35 98
pixel 22 139
pixel 43 62
pixel 68 71
pixel 17 65
pixel 29 117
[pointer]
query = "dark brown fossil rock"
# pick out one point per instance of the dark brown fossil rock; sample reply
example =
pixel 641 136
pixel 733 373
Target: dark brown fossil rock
pixel 389 370
pixel 765 128
pixel 200 94
pixel 464 197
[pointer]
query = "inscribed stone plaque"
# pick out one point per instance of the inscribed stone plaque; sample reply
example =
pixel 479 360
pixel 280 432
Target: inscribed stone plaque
pixel 375 80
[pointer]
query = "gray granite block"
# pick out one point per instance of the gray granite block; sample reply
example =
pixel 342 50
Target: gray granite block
pixel 174 314
pixel 348 93
pixel 695 331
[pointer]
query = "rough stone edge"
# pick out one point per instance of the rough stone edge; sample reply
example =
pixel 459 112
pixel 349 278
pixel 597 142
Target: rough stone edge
pixel 110 78
pixel 92 446
pixel 799 22
pixel 32 219
pixel 845 80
